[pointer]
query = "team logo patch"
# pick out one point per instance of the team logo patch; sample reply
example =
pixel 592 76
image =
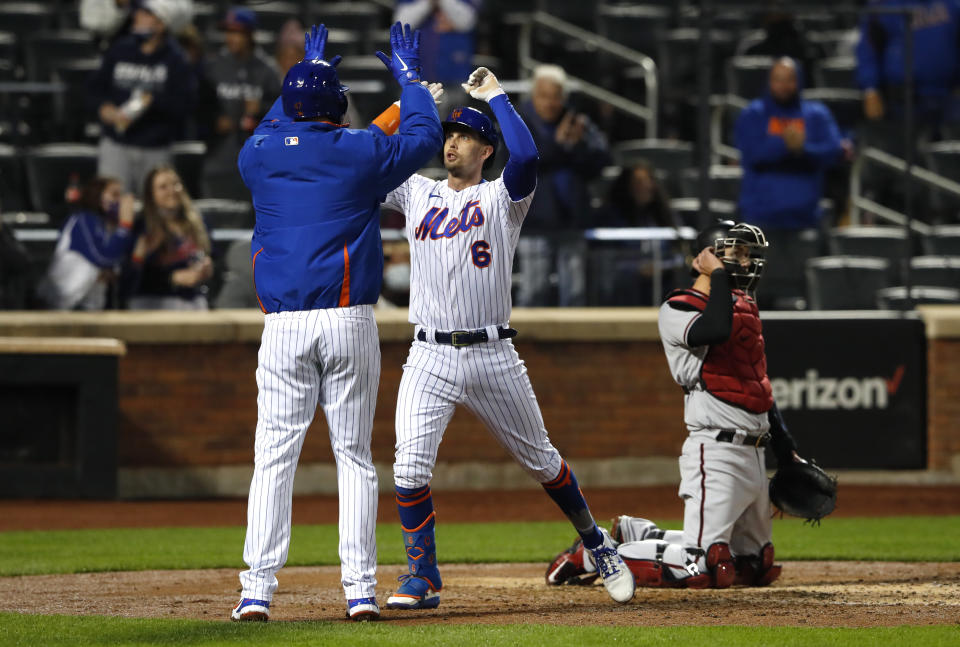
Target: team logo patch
pixel 291 141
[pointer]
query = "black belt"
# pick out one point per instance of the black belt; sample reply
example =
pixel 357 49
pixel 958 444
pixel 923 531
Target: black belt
pixel 757 440
pixel 462 338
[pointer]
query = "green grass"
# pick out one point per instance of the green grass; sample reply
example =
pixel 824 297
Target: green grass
pixel 78 551
pixel 53 631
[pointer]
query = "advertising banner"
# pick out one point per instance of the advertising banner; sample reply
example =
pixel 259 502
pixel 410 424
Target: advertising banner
pixel 852 389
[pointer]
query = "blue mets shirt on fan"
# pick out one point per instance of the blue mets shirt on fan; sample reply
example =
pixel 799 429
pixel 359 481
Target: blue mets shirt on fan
pixel 316 190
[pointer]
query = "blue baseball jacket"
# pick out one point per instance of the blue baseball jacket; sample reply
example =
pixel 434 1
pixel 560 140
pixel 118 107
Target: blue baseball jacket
pixel 316 190
pixel 936 42
pixel 781 189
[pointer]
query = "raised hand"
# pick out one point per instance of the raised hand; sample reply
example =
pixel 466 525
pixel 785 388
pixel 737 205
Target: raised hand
pixel 405 62
pixel 482 85
pixel 436 90
pixel 315 42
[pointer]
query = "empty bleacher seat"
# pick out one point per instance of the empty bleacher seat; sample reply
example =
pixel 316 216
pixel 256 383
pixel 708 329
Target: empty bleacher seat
pixel 937 271
pixel 49 169
pixel 837 72
pixel 225 214
pixel 845 282
pixel 846 105
pixel 671 156
pixel 44 50
pixel 355 16
pixel 635 26
pixel 13 189
pixel 271 16
pixel 724 182
pixel 784 282
pixel 748 76
pixel 943 240
pixel 890 243
pixel 187 159
pixel 26 17
pixel 688 211
pixel 895 298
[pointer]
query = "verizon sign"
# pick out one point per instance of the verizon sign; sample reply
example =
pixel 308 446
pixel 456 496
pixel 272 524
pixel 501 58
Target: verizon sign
pixel 814 391
pixel 853 391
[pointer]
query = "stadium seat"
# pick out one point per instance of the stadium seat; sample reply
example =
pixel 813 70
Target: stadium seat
pixel 783 286
pixel 13 189
pixel 895 298
pixel 26 17
pixel 236 289
pixel 635 26
pixel 49 169
pixel 671 156
pixel 937 271
pixel 188 161
pixel 845 282
pixel 837 72
pixel 724 182
pixel 748 76
pixel 44 50
pixel 8 55
pixel 353 16
pixel 846 105
pixel 943 240
pixel 890 243
pixel 271 16
pixel 676 58
pixel 225 214
pixel 688 211
pixel 78 122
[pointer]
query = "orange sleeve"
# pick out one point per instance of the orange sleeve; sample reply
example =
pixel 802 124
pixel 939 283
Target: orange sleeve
pixel 389 120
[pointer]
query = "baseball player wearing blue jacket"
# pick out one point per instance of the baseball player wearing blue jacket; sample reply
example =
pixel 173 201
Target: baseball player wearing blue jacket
pixel 317 267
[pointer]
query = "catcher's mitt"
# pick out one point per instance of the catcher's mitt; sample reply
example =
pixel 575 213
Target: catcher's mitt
pixel 803 490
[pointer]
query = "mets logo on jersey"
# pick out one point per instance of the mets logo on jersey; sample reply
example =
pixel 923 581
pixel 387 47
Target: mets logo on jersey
pixel 432 223
pixel 291 141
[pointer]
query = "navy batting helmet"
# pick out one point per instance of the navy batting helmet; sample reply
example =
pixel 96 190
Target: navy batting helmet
pixel 312 89
pixel 471 119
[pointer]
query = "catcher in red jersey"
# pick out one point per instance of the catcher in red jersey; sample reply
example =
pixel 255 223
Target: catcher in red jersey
pixel 713 340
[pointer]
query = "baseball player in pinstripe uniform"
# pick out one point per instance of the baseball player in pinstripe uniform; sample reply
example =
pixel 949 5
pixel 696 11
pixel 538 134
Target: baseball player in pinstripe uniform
pixel 317 263
pixel 462 233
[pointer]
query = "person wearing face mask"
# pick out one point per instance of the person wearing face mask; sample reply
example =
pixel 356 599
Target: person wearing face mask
pixel 93 243
pixel 170 263
pixel 143 92
pixel 637 199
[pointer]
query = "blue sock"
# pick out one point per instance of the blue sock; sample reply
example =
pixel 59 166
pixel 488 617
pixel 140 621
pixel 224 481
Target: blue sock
pixel 414 506
pixel 565 492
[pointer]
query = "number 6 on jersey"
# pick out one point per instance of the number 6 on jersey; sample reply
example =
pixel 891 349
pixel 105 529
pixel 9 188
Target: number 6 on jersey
pixel 480 252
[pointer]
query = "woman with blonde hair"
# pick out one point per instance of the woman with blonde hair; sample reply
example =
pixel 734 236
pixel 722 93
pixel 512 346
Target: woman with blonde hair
pixel 170 263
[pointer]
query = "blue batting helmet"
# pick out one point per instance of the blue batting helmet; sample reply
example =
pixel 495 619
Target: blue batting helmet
pixel 313 89
pixel 464 118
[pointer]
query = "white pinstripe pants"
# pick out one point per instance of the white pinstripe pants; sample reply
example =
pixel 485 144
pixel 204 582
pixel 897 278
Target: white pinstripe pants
pixel 490 380
pixel 330 357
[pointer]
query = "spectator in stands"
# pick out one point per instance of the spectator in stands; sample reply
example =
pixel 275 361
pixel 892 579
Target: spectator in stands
pixel 289 47
pixel 247 85
pixel 93 244
pixel 786 144
pixel 446 37
pixel 143 91
pixel 200 124
pixel 572 152
pixel 637 199
pixel 170 263
pixel 782 38
pixel 105 19
pixel 936 62
pixel 15 264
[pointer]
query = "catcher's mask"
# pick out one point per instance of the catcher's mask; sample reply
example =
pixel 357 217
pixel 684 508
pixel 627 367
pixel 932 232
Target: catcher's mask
pixel 743 252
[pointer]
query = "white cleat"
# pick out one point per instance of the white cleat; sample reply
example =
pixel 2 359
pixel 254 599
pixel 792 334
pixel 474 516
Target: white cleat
pixel 617 578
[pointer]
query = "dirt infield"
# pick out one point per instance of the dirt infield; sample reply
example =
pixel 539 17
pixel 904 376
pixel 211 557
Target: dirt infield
pixel 824 594
pixel 827 594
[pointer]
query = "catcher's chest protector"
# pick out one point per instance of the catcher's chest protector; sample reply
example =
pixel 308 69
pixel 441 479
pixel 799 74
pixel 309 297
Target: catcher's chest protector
pixel 736 370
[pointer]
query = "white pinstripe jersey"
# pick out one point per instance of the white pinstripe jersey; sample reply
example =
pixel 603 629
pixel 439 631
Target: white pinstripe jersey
pixel 461 251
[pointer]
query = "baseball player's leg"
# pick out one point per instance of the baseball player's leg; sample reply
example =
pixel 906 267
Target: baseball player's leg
pixel 626 529
pixel 752 533
pixel 425 403
pixel 349 352
pixel 500 394
pixel 288 386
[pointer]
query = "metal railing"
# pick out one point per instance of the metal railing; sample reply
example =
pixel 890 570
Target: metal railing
pixel 859 202
pixel 648 113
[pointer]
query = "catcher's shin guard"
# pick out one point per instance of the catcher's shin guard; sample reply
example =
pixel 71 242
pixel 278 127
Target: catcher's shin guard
pixel 570 567
pixel 720 566
pixel 757 570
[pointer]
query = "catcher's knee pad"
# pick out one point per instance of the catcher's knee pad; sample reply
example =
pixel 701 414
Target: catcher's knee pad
pixel 759 569
pixel 720 565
